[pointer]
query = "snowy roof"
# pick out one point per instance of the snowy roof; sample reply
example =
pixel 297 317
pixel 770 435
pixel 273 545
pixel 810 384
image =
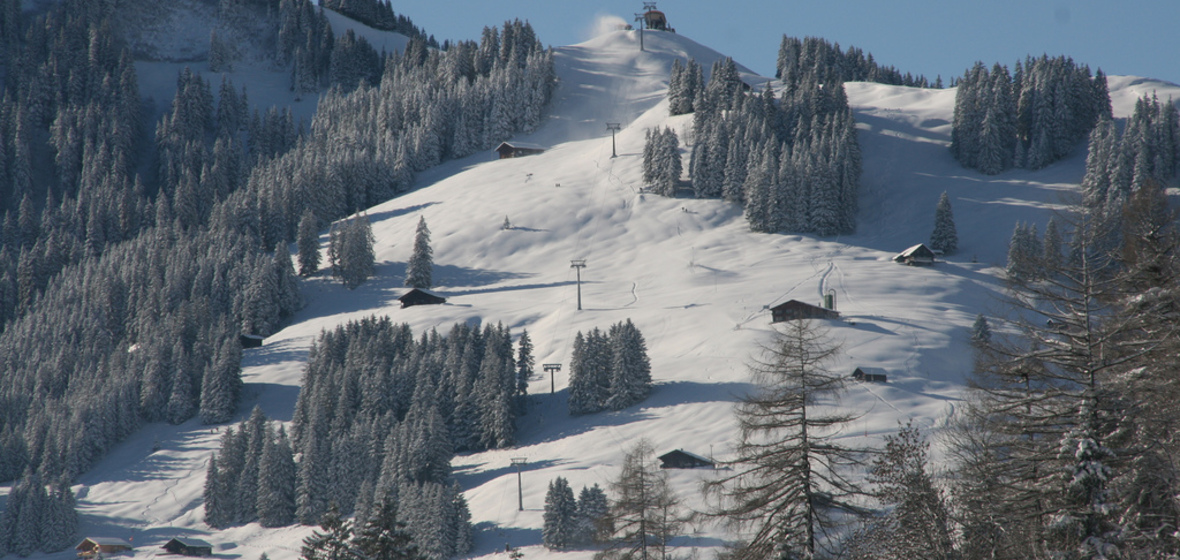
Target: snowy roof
pixel 796 304
pixel 683 452
pixel 191 542
pixel 919 250
pixel 521 145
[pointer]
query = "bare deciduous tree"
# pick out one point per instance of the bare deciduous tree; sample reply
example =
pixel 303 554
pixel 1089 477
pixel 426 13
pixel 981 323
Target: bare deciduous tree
pixel 790 474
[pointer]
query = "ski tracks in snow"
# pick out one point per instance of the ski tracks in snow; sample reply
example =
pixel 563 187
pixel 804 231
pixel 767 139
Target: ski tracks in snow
pixel 168 491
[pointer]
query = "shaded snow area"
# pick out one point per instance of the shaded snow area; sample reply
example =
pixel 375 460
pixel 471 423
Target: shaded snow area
pixel 687 272
pixel 169 36
pixel 382 41
pixel 176 30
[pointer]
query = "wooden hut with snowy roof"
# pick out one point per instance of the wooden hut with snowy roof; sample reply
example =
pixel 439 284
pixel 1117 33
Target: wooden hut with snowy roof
pixel 796 309
pixel 518 149
pixel 420 297
pixel 187 546
pixel 91 547
pixel 681 459
pixel 918 255
pixel 250 340
pixel 870 375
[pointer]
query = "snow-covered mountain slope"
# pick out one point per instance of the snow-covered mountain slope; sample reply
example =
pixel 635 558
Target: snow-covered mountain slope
pixel 167 37
pixel 688 273
pixel 382 41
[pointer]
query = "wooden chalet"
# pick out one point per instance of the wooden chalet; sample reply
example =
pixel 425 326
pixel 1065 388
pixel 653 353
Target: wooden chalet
pixel 250 340
pixel 918 255
pixel 186 546
pixel 681 459
pixel 420 297
pixel 859 374
pixel 518 149
pixel 796 309
pixel 93 546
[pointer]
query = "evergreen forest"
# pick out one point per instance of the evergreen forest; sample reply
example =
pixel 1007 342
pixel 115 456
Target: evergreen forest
pixel 135 253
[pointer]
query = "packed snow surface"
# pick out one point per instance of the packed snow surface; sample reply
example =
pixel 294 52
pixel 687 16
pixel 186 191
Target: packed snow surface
pixel 688 272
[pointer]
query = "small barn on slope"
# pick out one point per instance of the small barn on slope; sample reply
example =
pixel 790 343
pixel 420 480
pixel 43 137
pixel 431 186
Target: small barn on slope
pixel 93 546
pixel 918 255
pixel 518 149
pixel 420 297
pixel 250 340
pixel 796 309
pixel 681 459
pixel 870 375
pixel 186 546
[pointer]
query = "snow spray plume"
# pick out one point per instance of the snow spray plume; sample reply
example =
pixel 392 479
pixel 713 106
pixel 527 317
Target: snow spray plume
pixel 602 24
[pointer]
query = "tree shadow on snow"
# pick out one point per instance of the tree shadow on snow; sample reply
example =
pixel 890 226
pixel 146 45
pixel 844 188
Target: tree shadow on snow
pixel 470 476
pixel 446 276
pixel 537 427
pixel 273 353
pixel 491 538
pixel 457 293
pixel 327 296
pixel 396 212
pixel 127 529
pixel 278 404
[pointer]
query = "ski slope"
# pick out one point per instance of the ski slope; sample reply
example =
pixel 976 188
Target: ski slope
pixel 688 272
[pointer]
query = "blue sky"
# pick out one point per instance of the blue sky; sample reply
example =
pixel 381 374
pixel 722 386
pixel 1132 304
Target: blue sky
pixel 931 37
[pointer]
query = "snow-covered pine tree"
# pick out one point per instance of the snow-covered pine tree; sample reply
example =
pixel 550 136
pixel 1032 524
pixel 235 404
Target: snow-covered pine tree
pixel 694 83
pixel 384 537
pixel 759 184
pixel 944 237
pixel 560 529
pixel 221 55
pixel 289 298
pixel 60 524
pixel 496 389
pixel 356 252
pixel 26 533
pixel 1089 522
pixel 1052 246
pixel 1030 118
pixel 1034 249
pixel 311 493
pixel 981 331
pixel 733 187
pixel 332 542
pixel 669 163
pixel 215 496
pixel 630 366
pixel 598 364
pixel 582 380
pixel 222 382
pixel 1020 265
pixel 181 403
pixel 245 488
pixel 917 521
pixel 277 477
pixel 524 370
pixel 420 268
pixel 594 520
pixel 308 243
pixel 679 100
pixel 707 169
